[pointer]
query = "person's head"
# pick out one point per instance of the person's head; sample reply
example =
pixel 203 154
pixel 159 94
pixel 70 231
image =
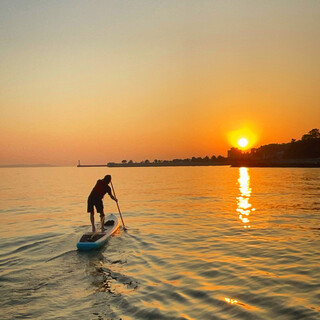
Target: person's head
pixel 107 178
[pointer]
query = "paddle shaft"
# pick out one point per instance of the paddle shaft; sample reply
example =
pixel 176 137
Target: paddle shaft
pixel 124 227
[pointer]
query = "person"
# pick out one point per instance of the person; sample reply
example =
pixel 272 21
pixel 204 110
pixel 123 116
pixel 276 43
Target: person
pixel 95 199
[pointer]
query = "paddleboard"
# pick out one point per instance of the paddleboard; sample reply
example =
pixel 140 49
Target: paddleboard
pixel 93 240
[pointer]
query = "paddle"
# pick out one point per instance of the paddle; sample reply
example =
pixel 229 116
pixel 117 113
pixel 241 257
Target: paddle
pixel 124 227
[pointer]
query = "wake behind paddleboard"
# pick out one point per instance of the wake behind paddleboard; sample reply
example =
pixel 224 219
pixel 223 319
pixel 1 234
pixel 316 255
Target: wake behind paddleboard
pixel 93 240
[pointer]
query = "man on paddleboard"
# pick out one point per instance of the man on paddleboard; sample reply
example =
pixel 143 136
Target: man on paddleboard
pixel 95 199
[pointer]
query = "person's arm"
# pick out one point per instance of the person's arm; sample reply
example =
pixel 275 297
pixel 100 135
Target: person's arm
pixel 111 196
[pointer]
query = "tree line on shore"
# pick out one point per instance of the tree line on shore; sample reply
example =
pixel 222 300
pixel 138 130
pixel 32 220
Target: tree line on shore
pixel 307 147
pixel 213 160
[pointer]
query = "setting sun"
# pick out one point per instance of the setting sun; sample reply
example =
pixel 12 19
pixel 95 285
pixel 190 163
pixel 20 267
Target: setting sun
pixel 243 142
pixel 243 138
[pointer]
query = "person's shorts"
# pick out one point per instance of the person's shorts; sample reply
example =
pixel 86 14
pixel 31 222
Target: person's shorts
pixel 94 201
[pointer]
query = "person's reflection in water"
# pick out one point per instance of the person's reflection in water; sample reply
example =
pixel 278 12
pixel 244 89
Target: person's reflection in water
pixel 244 207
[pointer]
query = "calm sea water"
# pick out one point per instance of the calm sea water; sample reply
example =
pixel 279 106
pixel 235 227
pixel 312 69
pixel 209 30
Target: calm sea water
pixel 203 243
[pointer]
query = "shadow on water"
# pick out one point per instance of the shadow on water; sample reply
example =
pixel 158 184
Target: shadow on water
pixel 106 274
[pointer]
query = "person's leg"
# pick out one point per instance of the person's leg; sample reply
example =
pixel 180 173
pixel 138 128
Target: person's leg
pixel 90 209
pixel 92 221
pixel 99 206
pixel 102 217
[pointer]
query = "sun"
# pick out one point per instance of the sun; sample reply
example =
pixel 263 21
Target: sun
pixel 243 138
pixel 243 142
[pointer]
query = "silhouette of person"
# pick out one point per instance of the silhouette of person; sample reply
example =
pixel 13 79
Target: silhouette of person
pixel 95 200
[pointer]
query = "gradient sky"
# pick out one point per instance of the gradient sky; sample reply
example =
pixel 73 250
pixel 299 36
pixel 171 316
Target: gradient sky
pixel 110 80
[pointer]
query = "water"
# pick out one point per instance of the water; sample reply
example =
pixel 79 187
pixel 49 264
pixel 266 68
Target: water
pixel 203 243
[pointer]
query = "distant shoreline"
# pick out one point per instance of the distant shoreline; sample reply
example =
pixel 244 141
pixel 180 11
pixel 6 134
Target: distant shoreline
pixel 27 166
pixel 168 164
pixel 303 163
pixel 91 165
pixel 237 164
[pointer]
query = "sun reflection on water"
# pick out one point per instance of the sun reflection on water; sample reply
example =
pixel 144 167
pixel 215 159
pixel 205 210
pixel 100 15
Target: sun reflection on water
pixel 231 301
pixel 244 206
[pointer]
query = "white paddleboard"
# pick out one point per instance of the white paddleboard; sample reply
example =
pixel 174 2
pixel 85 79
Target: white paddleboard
pixel 93 240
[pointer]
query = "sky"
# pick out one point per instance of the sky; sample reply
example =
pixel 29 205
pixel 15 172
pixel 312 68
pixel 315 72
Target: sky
pixel 103 81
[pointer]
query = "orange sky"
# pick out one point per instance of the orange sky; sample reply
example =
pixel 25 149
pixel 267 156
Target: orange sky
pixel 105 81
